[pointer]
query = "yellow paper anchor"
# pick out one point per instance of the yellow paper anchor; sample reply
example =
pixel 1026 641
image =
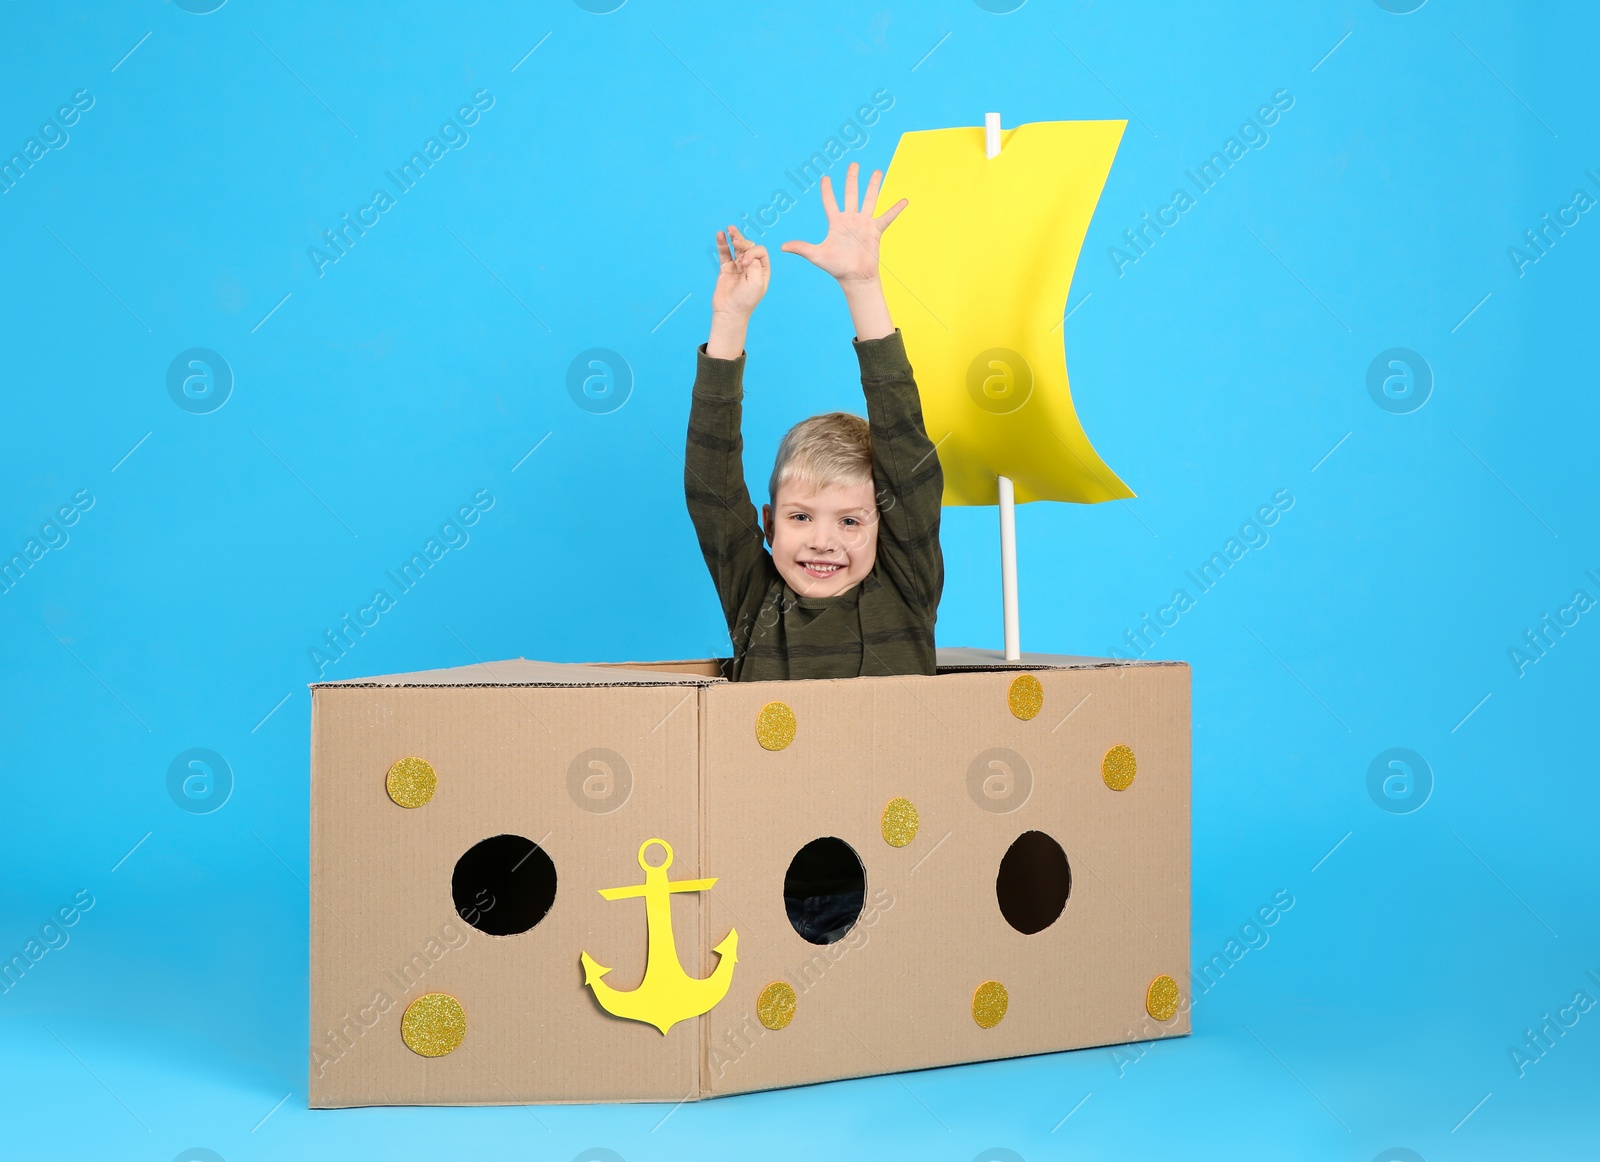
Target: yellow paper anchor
pixel 667 994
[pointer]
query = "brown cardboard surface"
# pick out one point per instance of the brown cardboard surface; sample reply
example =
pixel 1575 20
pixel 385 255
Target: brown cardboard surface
pixel 381 890
pixel 894 994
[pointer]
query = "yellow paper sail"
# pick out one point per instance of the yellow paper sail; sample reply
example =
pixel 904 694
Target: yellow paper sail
pixel 977 271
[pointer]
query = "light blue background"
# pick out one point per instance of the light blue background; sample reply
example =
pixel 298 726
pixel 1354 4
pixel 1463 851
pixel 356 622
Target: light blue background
pixel 1222 366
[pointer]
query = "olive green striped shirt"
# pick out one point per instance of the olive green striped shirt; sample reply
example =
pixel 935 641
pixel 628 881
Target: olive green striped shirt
pixel 884 625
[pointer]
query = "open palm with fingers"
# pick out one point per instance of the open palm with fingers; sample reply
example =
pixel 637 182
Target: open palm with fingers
pixel 850 251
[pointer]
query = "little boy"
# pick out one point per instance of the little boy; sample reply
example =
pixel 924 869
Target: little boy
pixel 852 581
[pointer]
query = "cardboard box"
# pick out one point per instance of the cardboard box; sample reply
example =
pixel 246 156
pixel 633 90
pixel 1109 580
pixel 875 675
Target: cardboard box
pixel 587 763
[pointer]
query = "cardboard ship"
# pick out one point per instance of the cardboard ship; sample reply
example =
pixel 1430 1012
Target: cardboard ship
pixel 535 882
pixel 539 882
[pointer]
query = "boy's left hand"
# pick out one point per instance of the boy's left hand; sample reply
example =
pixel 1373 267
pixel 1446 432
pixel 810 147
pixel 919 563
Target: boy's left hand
pixel 850 251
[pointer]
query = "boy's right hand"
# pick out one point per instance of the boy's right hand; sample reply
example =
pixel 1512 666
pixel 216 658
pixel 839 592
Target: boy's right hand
pixel 741 281
pixel 742 277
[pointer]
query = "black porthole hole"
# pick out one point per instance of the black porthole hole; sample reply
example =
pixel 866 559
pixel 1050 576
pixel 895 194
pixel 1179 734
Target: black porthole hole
pixel 1034 883
pixel 504 885
pixel 824 890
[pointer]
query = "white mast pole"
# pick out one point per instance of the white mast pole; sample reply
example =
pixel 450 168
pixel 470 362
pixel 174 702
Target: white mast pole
pixel 1008 499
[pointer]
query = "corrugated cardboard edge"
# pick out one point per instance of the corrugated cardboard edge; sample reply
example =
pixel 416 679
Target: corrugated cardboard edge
pixel 702 1024
pixel 523 672
pixel 314 882
pixel 967 659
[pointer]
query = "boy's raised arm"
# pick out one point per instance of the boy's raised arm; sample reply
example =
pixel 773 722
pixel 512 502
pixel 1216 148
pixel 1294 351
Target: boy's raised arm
pixel 906 472
pixel 909 480
pixel 724 519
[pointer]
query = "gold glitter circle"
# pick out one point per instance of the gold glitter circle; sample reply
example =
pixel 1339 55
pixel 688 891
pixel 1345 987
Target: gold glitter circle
pixel 775 726
pixel 1026 696
pixel 1161 998
pixel 434 1024
pixel 900 822
pixel 1118 767
pixel 989 1001
pixel 775 1006
pixel 411 781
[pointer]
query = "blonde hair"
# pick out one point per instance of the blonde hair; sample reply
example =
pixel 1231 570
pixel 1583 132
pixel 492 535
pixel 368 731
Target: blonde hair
pixel 834 448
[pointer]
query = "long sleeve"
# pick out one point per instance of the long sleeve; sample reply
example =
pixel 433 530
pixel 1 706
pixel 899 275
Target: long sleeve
pixel 719 503
pixel 906 470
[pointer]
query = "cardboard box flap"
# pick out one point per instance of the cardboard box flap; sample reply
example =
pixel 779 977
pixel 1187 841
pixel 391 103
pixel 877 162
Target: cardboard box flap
pixel 968 658
pixel 522 672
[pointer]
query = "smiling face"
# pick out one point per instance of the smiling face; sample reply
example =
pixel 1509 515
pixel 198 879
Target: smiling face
pixel 824 540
